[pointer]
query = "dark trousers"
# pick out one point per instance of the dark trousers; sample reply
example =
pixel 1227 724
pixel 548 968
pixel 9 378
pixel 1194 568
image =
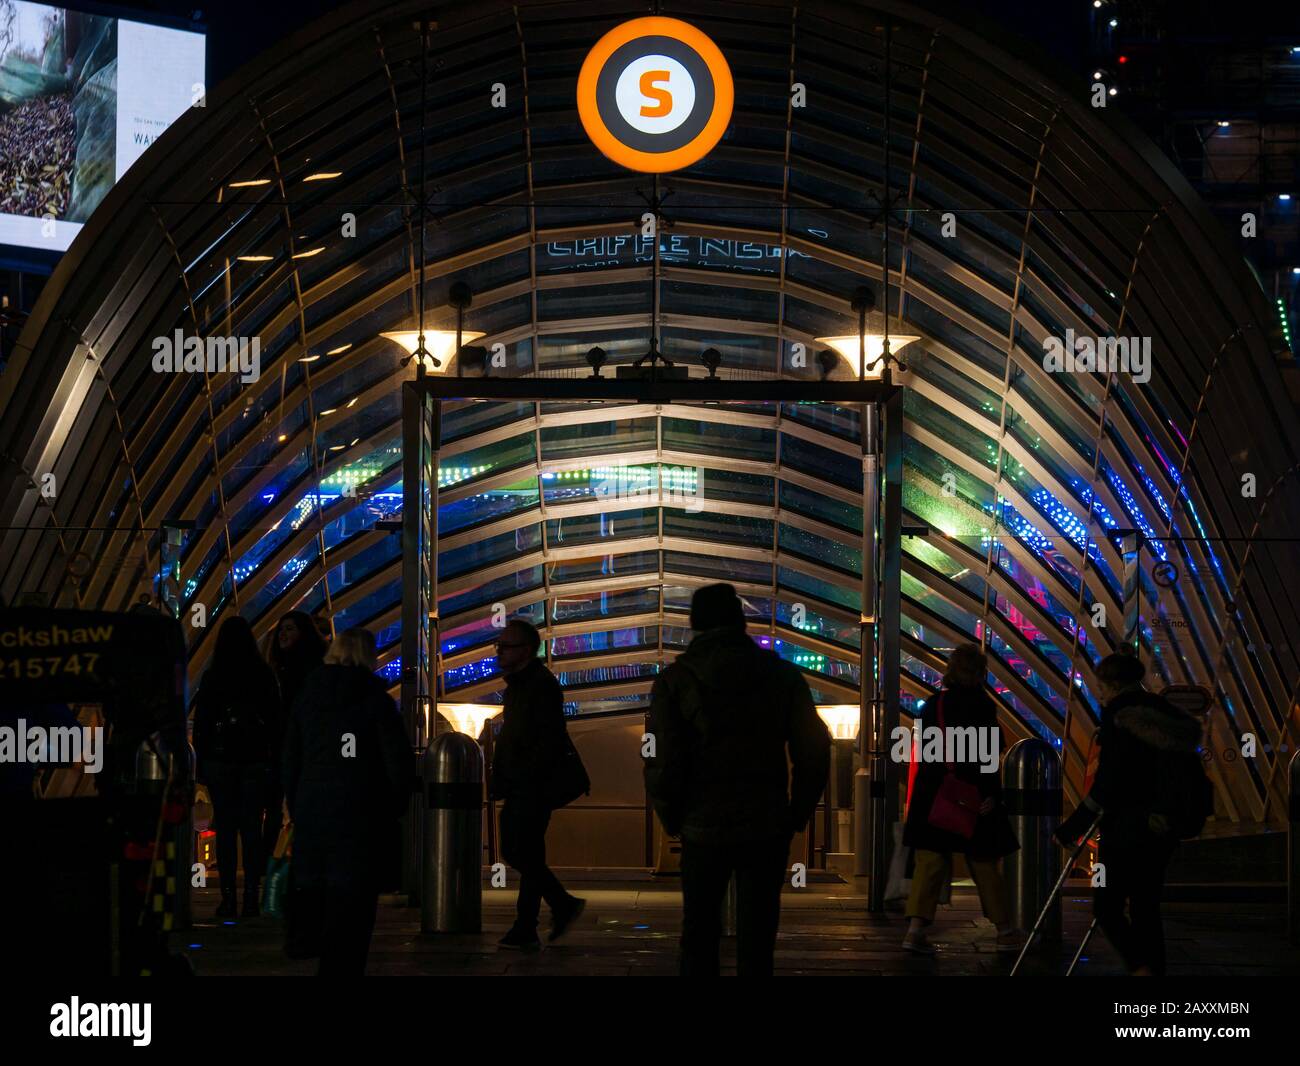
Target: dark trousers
pixel 1135 874
pixel 238 792
pixel 523 846
pixel 759 868
pixel 349 922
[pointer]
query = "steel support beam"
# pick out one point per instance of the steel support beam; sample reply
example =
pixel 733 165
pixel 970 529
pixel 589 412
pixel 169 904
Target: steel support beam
pixel 421 432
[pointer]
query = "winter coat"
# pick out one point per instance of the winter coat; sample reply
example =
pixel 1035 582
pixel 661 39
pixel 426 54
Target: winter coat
pixel 235 716
pixel 962 707
pixel 533 738
pixel 723 717
pixel 1142 741
pixel 291 674
pixel 348 774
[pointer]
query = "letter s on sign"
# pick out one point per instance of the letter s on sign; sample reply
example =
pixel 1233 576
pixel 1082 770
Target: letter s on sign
pixel 652 92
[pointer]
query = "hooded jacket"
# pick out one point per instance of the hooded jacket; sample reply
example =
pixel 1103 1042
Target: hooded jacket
pixel 723 717
pixel 1147 746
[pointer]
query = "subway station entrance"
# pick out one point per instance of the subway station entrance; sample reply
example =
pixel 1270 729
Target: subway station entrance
pixel 520 357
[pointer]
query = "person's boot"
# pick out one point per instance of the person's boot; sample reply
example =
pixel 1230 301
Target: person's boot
pixel 251 908
pixel 226 908
pixel 562 919
pixel 520 940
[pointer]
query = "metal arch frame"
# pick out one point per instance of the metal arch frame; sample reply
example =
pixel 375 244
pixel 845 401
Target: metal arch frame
pixel 1212 516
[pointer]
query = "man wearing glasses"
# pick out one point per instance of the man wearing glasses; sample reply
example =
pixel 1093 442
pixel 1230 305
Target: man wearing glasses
pixel 525 760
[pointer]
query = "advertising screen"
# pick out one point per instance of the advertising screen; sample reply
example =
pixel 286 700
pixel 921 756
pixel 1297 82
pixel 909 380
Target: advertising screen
pixel 81 98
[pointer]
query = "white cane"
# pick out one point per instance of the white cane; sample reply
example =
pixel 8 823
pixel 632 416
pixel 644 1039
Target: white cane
pixel 1065 872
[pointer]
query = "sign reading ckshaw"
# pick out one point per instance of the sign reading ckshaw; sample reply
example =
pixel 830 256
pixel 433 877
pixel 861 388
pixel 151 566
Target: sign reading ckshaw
pixel 655 94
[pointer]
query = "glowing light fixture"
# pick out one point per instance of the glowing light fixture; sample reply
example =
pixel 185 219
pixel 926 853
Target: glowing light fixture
pixel 308 255
pixel 335 351
pixel 324 175
pixel 849 348
pixel 250 183
pixel 441 344
pixel 468 718
pixel 842 719
pixel 253 258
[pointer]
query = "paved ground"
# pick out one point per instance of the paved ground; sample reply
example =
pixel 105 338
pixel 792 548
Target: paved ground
pixel 631 928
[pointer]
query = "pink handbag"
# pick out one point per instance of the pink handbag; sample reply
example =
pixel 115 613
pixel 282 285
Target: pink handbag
pixel 956 806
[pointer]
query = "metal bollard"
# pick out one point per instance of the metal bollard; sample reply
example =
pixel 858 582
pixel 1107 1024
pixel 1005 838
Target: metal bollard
pixel 1031 790
pixel 861 822
pixel 729 909
pixel 1293 855
pixel 451 889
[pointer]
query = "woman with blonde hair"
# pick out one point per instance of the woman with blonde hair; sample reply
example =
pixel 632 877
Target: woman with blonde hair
pixel 348 769
pixel 955 806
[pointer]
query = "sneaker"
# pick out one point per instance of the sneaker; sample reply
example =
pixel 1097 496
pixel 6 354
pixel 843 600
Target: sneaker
pixel 560 922
pixel 517 941
pixel 1011 940
pixel 226 908
pixel 918 943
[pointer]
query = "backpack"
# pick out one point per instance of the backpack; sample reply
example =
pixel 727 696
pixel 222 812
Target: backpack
pixel 1186 796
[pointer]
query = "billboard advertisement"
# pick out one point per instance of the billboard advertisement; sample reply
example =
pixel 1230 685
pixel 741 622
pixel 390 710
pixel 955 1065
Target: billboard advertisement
pixel 82 96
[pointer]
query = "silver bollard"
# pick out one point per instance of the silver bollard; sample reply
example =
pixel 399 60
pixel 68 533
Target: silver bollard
pixel 1293 855
pixel 451 889
pixel 729 908
pixel 1031 791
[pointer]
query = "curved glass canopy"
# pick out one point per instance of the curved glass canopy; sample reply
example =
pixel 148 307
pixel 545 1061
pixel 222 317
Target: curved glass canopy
pixel 288 210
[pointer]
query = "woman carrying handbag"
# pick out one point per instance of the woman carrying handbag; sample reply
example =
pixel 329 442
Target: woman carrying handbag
pixel 957 808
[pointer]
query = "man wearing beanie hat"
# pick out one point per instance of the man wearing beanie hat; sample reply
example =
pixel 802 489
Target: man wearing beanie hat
pixel 727 718
pixel 1150 791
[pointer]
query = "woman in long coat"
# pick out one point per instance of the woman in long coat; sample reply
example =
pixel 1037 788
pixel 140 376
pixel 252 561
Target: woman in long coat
pixel 348 773
pixel 965 703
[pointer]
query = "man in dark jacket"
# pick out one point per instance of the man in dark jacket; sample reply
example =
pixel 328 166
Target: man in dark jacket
pixel 525 760
pixel 723 717
pixel 1147 745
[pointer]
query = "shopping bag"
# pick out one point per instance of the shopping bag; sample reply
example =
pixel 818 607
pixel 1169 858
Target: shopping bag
pixel 902 863
pixel 956 806
pixel 276 882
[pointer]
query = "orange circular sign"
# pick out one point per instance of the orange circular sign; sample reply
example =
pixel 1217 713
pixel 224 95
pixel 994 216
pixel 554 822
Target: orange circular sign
pixel 655 94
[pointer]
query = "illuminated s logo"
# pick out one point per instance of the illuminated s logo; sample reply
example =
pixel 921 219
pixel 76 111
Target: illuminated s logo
pixel 655 94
